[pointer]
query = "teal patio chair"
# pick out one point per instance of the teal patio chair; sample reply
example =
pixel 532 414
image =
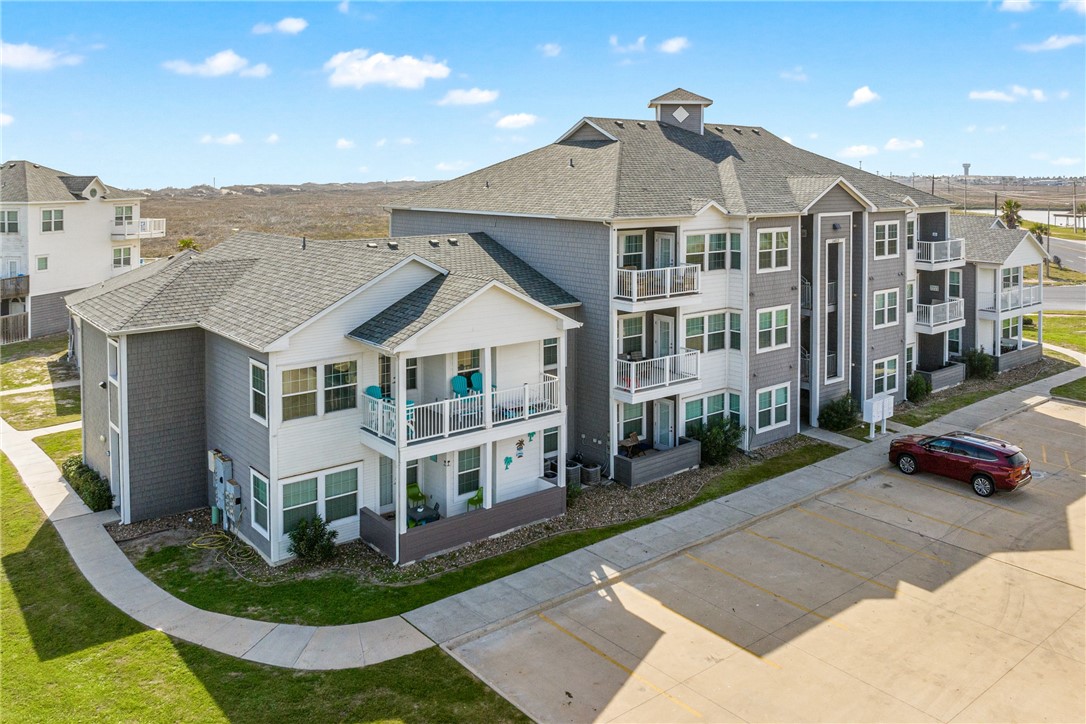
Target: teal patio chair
pixel 477 383
pixel 460 386
pixel 373 391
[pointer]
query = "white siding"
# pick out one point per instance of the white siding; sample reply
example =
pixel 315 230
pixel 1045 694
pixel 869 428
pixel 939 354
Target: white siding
pixel 1025 254
pixel 523 474
pixel 518 364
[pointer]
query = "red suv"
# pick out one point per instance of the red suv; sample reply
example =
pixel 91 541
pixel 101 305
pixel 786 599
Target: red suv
pixel 986 462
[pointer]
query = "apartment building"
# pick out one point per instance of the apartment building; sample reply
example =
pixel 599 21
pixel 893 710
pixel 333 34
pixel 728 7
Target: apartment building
pixel 60 233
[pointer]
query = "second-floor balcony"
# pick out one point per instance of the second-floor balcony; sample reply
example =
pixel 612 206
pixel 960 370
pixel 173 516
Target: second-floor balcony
pixel 642 285
pixel 140 229
pixel 13 287
pixel 1009 299
pixel 940 316
pixel 937 255
pixel 638 375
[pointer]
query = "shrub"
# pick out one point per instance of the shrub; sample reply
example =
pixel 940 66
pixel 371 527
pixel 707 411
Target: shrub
pixel 917 387
pixel 313 540
pixel 838 415
pixel 718 441
pixel 572 493
pixel 87 483
pixel 979 364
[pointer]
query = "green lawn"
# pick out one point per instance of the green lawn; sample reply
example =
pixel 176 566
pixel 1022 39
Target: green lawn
pixel 61 445
pixel 1063 329
pixel 1059 232
pixel 69 655
pixel 339 599
pixel 31 410
pixel 36 362
pixel 1055 275
pixel 1075 390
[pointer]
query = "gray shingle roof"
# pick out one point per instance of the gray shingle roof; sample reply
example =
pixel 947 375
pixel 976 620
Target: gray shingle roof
pixel 680 95
pixel 254 288
pixel 23 181
pixel 655 169
pixel 417 310
pixel 987 240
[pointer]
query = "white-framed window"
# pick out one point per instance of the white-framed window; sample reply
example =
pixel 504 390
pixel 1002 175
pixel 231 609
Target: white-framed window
pixel 1011 327
pixel 258 493
pixel 772 407
pixel 910 297
pixel 886 375
pixel 631 334
pixel 704 411
pixel 954 341
pixel 467 362
pixel 384 375
pixel 258 391
pixel 735 330
pixel 735 250
pixel 9 222
pixel 122 215
pixel 633 419
pixel 1011 277
pixel 468 467
pixel 631 249
pixel 113 359
pixel 550 443
pixel 340 494
pixel 52 220
pixel 773 328
pixel 886 238
pixel 885 308
pixel 299 503
pixel 954 284
pixel 122 257
pixel 341 386
pixel 910 359
pixel 714 250
pixel 299 393
pixel 331 494
pixel 910 234
pixel 712 331
pixel 411 368
pixel 41 263
pixel 550 355
pixel 773 247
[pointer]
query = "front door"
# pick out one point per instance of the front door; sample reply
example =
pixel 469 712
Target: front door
pixel 663 332
pixel 664 255
pixel 663 425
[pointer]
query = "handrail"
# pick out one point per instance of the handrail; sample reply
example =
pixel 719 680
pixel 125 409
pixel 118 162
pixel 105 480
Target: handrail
pixel 933 315
pixel 1014 298
pixel 805 292
pixel 659 371
pixel 935 252
pixel 640 284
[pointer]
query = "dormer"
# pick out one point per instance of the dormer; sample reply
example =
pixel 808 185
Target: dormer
pixel 683 109
pixel 84 187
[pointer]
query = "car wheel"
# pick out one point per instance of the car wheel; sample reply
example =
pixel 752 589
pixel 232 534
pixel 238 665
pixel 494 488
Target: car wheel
pixel 906 464
pixel 983 485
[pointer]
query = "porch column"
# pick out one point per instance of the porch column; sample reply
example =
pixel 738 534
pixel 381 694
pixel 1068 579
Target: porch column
pixel 488 476
pixel 612 381
pixel 488 386
pixel 1040 326
pixel 399 393
pixel 400 495
pixel 563 430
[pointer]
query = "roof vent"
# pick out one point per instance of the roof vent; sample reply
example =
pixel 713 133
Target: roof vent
pixel 393 245
pixel 486 184
pixel 303 243
pixel 642 124
pixel 453 241
pixel 371 244
pixel 755 131
pixel 620 124
pixel 434 242
pixel 37 166
pixel 737 131
pixel 571 162
pixel 719 129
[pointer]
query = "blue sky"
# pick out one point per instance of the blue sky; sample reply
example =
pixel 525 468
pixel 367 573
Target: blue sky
pixel 173 93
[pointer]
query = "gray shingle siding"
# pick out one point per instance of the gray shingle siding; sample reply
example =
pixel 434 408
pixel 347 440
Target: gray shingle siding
pixel 48 313
pixel 229 426
pixel 692 122
pixel 969 294
pixel 836 200
pixel 883 274
pixel 858 303
pixel 575 256
pixel 835 390
pixel 167 461
pixel 92 371
pixel 931 227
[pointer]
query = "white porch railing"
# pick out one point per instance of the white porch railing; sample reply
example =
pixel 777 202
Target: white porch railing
pixel 935 252
pixel 634 376
pixel 934 315
pixel 1008 299
pixel 805 293
pixel 641 284
pixel 142 229
pixel 804 364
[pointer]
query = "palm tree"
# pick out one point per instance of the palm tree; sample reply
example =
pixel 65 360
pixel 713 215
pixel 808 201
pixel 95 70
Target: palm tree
pixel 183 244
pixel 1011 213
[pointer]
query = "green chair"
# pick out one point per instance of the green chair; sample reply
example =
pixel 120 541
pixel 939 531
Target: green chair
pixel 414 495
pixel 476 500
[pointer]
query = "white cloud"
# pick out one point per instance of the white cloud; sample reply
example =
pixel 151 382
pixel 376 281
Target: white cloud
pixel 380 142
pixel 230 139
pixel 406 141
pixel 357 68
pixel 550 50
pixel 1039 156
pixel 343 144
pixel 25 56
pixel 1017 92
pixel 1065 161
pixel 812 136
pixel 1063 95
pixel 452 166
pixel 858 151
pixel 971 128
pixel 1016 6
pixel 992 95
pixel 1035 93
pixel 225 62
pixel 363 169
pixel 1053 42
pixel 1078 6
pixel 516 120
pixel 407 178
pixel 861 96
pixel 287 26
pixel 636 47
pixel 674 45
pixel 900 144
pixel 272 138
pixel 786 139
pixel 796 74
pixel 474 96
pixel 344 7
pixel 6 119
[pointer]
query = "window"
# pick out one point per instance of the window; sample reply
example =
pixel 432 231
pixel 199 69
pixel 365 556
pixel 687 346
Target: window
pixel 773 328
pixel 709 332
pixel 412 370
pixel 910 234
pixel 550 443
pixel 42 263
pixel 384 481
pixel 122 215
pixel 886 234
pixel 910 295
pixel 954 341
pixel 467 471
pixel 299 393
pixel 633 419
pixel 954 284
pixel 773 249
pixel 52 219
pixel 1011 277
pixel 299 503
pixel 712 251
pixel 467 362
pixel 9 222
pixel 631 250
pixel 258 488
pixel 885 308
pixel 772 407
pixel 340 386
pixel 735 244
pixel 631 332
pixel 1011 327
pixel 384 375
pixel 113 359
pixel 886 375
pixel 703 412
pixel 258 391
pixel 735 338
pixel 910 359
pixel 122 257
pixel 550 355
pixel 340 494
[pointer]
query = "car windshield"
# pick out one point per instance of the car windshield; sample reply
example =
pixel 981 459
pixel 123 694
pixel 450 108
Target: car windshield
pixel 1018 459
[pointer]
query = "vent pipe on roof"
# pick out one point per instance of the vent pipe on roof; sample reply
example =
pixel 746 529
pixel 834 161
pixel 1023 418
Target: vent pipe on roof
pixel 571 162
pixel 303 243
pixel 486 184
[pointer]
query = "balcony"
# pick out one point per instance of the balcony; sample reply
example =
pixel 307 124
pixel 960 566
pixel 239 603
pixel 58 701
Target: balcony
pixel 658 373
pixel 13 287
pixel 1009 299
pixel 638 286
pixel 940 317
pixel 142 229
pixel 805 294
pixel 939 255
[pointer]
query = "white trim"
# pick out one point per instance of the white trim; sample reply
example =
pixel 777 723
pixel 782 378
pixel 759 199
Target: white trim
pixel 886 307
pixel 875 377
pixel 322 492
pixel 772 407
pixel 727 313
pixel 122 396
pixel 252 414
pixel 643 233
pixel 619 337
pixel 772 231
pixel 849 189
pixel 320 389
pixel 896 223
pixel 577 127
pixel 710 204
pixel 772 311
pixel 252 501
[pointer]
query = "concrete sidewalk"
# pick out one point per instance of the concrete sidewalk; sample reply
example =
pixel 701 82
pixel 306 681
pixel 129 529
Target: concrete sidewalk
pixel 40 388
pixel 472 612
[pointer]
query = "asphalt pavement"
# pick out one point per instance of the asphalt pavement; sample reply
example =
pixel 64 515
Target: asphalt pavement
pixel 1072 253
pixel 1058 298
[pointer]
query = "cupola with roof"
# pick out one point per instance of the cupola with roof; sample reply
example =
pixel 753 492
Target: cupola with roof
pixel 682 108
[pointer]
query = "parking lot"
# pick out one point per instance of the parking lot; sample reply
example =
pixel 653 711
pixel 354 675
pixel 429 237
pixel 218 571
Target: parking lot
pixel 894 598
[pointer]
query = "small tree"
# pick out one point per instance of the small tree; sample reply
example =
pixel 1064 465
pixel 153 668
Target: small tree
pixel 313 540
pixel 1012 213
pixel 838 415
pixel 718 441
pixel 979 364
pixel 185 244
pixel 917 387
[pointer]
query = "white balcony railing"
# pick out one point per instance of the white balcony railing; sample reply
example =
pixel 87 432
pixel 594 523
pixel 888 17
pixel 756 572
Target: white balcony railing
pixel 1008 299
pixel 462 414
pixel 634 376
pixel 937 252
pixel 642 284
pixel 142 229
pixel 935 315
pixel 804 364
pixel 805 293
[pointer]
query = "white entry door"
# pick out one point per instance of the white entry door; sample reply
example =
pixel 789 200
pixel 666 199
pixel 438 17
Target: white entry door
pixel 664 255
pixel 663 331
pixel 663 425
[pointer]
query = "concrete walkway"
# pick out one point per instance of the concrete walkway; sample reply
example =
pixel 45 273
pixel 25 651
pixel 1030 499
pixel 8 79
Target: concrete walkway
pixel 40 388
pixel 471 613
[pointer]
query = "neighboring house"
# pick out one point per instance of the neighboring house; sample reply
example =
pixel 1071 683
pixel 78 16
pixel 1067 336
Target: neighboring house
pixel 996 293
pixel 724 272
pixel 60 233
pixel 280 378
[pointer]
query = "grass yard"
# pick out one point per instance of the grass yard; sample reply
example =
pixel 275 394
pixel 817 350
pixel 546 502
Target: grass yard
pixel 69 655
pixel 61 445
pixel 31 410
pixel 1055 275
pixel 337 598
pixel 1074 390
pixel 1063 329
pixel 36 362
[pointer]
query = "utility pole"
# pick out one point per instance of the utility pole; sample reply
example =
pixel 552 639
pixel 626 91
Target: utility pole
pixel 995 204
pixel 965 167
pixel 1074 204
pixel 933 185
